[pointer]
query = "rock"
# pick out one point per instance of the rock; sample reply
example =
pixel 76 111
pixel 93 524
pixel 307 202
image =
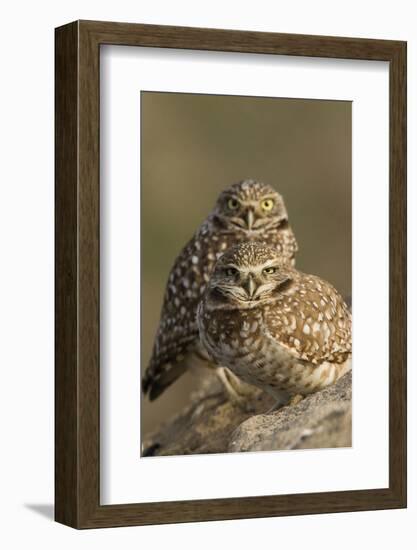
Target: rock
pixel 213 424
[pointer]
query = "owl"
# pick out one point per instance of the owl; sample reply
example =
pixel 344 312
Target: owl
pixel 274 327
pixel 247 210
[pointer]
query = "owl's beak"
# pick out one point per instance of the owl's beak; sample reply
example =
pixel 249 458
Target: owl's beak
pixel 250 217
pixel 250 286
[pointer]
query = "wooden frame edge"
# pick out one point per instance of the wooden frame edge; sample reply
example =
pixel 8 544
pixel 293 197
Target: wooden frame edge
pixel 398 272
pixel 77 274
pixel 66 275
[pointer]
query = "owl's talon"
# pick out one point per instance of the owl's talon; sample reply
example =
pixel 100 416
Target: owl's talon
pixel 295 399
pixel 275 407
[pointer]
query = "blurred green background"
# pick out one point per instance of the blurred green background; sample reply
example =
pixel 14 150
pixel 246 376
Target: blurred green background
pixel 193 146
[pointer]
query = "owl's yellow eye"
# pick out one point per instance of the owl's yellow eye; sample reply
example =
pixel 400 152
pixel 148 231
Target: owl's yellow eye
pixel 267 204
pixel 269 270
pixel 231 271
pixel 232 204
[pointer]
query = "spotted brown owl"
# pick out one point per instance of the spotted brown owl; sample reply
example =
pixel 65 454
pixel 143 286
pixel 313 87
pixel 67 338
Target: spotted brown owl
pixel 281 330
pixel 248 210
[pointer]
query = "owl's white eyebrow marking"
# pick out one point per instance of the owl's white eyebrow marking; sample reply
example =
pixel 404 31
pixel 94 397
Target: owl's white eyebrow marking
pixel 259 267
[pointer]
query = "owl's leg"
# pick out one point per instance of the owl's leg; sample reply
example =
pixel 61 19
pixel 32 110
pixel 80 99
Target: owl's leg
pixel 236 390
pixel 281 397
pixel 284 400
pixel 279 403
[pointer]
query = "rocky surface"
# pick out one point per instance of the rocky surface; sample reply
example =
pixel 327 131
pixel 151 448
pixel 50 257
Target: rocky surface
pixel 211 423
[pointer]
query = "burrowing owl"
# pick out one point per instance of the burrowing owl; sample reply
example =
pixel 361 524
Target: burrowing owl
pixel 248 210
pixel 281 330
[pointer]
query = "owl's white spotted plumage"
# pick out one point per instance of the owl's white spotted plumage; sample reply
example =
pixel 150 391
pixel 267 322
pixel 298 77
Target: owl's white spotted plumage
pixel 273 326
pixel 248 210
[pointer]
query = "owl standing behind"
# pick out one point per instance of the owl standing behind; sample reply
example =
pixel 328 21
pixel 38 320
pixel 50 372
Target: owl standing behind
pixel 246 211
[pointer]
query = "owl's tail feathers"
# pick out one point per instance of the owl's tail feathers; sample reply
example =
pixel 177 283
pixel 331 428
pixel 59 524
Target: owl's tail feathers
pixel 156 381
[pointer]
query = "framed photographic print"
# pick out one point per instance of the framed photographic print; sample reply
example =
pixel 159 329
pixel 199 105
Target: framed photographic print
pixel 230 274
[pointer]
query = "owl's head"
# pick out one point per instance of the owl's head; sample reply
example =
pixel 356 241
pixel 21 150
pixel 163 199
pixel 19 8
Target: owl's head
pixel 250 206
pixel 249 274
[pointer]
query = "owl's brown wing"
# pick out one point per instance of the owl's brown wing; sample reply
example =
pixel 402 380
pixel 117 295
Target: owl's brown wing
pixel 314 323
pixel 177 334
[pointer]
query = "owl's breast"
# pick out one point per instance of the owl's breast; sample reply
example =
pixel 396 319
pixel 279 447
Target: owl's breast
pixel 230 335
